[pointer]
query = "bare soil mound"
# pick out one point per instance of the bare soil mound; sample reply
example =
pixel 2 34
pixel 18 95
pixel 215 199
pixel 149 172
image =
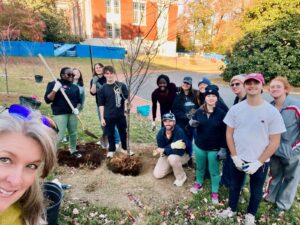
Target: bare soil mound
pixel 102 187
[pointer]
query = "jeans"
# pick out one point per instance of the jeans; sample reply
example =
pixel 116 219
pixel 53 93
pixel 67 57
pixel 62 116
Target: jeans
pixel 111 124
pixel 257 181
pixel 226 178
pixel 203 156
pixel 117 135
pixel 67 121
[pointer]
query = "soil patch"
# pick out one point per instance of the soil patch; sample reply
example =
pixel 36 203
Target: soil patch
pixel 104 188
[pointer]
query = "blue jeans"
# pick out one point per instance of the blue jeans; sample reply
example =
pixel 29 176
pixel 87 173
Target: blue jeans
pixel 117 135
pixel 257 181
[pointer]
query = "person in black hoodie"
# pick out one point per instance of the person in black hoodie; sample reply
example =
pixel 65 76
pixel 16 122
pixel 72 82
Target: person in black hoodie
pixel 210 137
pixel 183 105
pixel 63 114
pixel 164 95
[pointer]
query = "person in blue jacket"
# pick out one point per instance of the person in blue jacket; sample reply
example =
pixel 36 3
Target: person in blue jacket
pixel 171 143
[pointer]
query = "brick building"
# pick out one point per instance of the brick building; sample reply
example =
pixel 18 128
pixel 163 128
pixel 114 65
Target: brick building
pixel 115 22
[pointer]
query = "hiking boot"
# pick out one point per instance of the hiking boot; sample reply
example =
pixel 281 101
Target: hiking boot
pixel 215 198
pixel 110 154
pixel 196 188
pixel 249 219
pixel 179 183
pixel 227 213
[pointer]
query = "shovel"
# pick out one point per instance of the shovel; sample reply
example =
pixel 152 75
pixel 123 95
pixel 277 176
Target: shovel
pixel 67 99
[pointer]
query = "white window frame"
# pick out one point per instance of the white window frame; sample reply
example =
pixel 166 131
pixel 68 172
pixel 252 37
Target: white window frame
pixel 139 12
pixel 113 30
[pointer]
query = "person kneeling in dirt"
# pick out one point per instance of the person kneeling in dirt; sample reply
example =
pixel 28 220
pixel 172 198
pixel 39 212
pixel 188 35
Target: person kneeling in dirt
pixel 171 142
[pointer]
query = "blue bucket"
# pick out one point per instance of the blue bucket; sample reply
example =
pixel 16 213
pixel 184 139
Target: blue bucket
pixel 53 193
pixel 143 110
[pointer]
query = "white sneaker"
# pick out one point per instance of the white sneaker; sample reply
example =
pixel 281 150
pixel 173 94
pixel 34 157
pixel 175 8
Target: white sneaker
pixel 125 151
pixel 227 213
pixel 179 183
pixel 117 147
pixel 110 154
pixel 249 219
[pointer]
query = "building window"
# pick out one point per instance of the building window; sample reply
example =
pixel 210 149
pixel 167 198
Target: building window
pixel 109 30
pixel 117 6
pixel 113 6
pixel 139 13
pixel 113 30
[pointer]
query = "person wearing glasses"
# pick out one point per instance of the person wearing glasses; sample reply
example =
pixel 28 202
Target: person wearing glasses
pixel 237 87
pixel 171 146
pixel 285 163
pixel 183 105
pixel 27 152
pixel 63 114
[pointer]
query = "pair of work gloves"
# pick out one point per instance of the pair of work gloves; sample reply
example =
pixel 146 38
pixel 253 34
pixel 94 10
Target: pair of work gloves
pixel 174 145
pixel 57 87
pixel 249 168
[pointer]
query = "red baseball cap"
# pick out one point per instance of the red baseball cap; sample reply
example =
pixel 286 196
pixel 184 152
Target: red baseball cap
pixel 256 76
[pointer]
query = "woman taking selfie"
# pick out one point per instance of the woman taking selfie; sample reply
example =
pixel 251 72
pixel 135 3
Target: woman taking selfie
pixel 27 152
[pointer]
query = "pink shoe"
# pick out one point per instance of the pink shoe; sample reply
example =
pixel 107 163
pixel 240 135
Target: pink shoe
pixel 196 188
pixel 215 198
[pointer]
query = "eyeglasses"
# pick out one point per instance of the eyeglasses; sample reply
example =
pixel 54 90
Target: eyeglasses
pixel 70 74
pixel 25 113
pixel 235 84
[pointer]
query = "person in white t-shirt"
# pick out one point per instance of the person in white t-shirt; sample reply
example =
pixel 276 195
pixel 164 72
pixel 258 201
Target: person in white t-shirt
pixel 253 135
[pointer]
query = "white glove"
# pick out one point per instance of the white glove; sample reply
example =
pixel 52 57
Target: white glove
pixel 57 86
pixel 76 111
pixel 252 167
pixel 153 125
pixel 178 145
pixel 95 79
pixel 237 162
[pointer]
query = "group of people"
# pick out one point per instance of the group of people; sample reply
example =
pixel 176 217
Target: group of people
pixel 254 137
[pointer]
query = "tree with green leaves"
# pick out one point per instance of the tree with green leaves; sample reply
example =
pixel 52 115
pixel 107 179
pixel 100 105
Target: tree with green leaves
pixel 271 44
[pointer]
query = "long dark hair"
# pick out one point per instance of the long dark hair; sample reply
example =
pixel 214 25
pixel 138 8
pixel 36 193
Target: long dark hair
pixel 80 80
pixel 94 72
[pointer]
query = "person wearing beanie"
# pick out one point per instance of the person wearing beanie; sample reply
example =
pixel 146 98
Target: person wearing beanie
pixel 253 133
pixel 164 94
pixel 183 105
pixel 209 139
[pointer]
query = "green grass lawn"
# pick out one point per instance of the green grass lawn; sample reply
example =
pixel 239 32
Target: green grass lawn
pixel 21 73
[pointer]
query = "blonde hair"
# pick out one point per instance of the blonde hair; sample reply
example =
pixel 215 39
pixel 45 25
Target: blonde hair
pixel 31 202
pixel 285 83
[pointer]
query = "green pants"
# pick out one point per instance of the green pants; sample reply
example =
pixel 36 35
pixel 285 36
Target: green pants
pixel 213 167
pixel 67 121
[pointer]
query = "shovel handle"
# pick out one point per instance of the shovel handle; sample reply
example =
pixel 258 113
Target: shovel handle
pixel 61 89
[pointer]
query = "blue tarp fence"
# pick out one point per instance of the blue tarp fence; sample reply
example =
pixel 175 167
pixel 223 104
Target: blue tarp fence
pixel 27 48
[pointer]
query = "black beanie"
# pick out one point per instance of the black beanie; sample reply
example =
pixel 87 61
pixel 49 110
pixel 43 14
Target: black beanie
pixel 211 90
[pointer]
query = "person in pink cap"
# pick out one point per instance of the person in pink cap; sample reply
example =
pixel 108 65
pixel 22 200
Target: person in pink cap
pixel 253 134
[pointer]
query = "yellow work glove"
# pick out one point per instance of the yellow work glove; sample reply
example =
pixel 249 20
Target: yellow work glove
pixel 178 145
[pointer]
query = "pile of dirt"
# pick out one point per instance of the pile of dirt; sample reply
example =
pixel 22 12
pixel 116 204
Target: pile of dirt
pixel 102 187
pixel 125 165
pixel 92 156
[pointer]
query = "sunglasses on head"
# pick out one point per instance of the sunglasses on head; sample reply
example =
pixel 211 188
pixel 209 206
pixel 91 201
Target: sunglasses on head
pixel 23 112
pixel 235 84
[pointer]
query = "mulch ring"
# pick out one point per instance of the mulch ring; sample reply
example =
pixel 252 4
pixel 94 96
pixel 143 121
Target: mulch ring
pixel 92 156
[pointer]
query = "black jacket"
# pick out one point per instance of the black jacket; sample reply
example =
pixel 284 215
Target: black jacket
pixel 59 105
